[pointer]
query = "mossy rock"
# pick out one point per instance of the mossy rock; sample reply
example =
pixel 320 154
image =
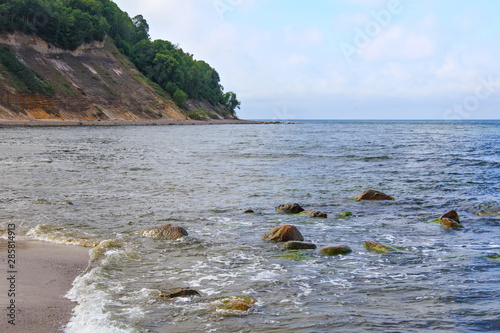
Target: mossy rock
pixel 450 223
pixel 296 255
pixel 335 250
pixel 346 213
pixel 233 305
pixel 374 246
pixel 495 258
pixel 295 245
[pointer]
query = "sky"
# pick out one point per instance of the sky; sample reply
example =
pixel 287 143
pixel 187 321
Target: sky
pixel 342 59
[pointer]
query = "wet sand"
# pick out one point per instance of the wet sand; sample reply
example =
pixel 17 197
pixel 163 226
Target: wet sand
pixel 45 273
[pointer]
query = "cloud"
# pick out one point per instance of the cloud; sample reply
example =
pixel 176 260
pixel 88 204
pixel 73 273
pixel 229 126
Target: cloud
pixel 398 43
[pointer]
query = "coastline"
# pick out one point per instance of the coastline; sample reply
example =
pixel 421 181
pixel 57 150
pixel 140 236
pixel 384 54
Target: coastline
pixel 45 273
pixel 159 122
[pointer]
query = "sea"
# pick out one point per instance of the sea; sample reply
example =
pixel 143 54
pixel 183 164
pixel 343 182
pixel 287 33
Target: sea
pixel 96 186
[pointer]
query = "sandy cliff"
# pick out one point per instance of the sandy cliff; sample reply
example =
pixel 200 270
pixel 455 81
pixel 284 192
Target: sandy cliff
pixel 94 82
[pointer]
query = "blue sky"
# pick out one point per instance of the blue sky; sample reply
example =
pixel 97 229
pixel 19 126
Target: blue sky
pixel 342 59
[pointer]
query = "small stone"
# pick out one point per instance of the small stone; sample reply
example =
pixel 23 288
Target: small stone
pixel 166 232
pixel 289 208
pixel 179 292
pixel 294 245
pixel 315 213
pixel 374 246
pixel 372 195
pixel 248 211
pixel 335 250
pixel 283 233
pixel 450 223
pixel 453 215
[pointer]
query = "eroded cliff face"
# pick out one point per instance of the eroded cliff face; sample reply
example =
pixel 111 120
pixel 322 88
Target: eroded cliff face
pixel 94 82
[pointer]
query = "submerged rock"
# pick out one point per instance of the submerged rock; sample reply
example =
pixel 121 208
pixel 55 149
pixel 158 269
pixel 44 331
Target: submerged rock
pixel 374 246
pixel 248 211
pixel 295 245
pixel 450 223
pixel 283 233
pixel 289 208
pixel 372 195
pixel 179 292
pixel 346 213
pixel 335 250
pixel 166 232
pixel 233 305
pixel 452 215
pixel 315 213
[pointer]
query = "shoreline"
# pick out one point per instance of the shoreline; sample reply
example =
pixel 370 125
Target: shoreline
pixel 44 274
pixel 160 122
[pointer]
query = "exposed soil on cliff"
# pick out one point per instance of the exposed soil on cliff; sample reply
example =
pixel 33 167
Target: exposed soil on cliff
pixel 93 83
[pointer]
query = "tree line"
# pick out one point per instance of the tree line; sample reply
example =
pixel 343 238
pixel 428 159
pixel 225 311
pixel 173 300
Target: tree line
pixel 70 23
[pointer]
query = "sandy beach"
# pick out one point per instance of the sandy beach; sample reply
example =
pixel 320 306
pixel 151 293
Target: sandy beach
pixel 44 275
pixel 38 122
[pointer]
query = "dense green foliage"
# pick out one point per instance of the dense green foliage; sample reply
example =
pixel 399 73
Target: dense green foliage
pixel 26 79
pixel 69 23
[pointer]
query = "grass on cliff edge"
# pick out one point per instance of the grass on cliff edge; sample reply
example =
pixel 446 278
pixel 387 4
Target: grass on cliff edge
pixel 25 79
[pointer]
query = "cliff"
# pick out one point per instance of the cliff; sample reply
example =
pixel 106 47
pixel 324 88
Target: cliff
pixel 94 82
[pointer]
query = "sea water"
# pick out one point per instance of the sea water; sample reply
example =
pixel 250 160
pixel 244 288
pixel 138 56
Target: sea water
pixel 97 185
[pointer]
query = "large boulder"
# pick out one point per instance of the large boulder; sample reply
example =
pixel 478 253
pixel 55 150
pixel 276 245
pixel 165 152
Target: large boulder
pixel 372 195
pixel 295 245
pixel 283 233
pixel 335 250
pixel 450 223
pixel 289 208
pixel 315 213
pixel 166 232
pixel 452 215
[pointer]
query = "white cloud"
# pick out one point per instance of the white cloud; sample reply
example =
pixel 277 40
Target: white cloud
pixel 398 43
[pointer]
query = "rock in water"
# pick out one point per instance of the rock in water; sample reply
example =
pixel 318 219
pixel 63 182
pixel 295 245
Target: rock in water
pixel 166 232
pixel 294 245
pixel 179 292
pixel 374 246
pixel 248 211
pixel 315 213
pixel 452 215
pixel 233 305
pixel 372 195
pixel 335 250
pixel 290 208
pixel 450 223
pixel 283 233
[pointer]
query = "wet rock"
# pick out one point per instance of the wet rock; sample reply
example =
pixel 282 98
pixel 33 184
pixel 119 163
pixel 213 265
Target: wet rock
pixel 450 223
pixel 372 195
pixel 166 232
pixel 283 233
pixel 452 215
pixel 315 213
pixel 346 213
pixel 179 292
pixel 294 245
pixel 233 305
pixel 289 208
pixel 374 246
pixel 335 250
pixel 248 211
